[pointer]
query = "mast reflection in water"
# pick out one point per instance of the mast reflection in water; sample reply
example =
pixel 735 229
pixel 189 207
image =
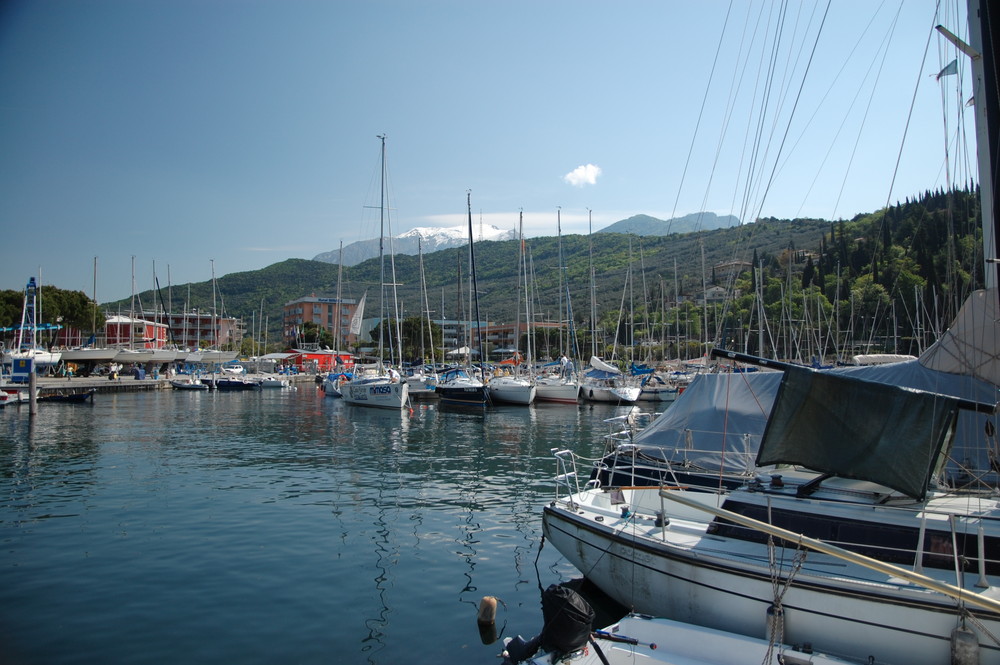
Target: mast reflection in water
pixel 274 526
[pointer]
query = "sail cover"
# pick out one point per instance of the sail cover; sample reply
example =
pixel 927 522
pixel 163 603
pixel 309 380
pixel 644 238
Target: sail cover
pixel 599 364
pixel 716 423
pixel 858 429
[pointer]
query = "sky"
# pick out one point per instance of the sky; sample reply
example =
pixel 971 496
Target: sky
pixel 183 137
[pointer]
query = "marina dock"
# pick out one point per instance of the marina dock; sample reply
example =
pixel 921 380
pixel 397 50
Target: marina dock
pixel 125 384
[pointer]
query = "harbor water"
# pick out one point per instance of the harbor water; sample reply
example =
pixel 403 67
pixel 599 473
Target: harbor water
pixel 276 526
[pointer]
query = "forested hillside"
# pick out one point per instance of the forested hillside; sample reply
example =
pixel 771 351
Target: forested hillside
pixel 896 274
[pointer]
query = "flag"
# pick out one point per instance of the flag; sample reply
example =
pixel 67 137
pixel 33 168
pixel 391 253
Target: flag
pixel 951 68
pixel 359 314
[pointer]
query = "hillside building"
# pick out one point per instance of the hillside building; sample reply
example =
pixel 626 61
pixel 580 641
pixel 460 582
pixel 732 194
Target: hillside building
pixel 330 314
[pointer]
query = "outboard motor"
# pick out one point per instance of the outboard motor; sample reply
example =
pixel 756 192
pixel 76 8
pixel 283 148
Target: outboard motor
pixel 568 620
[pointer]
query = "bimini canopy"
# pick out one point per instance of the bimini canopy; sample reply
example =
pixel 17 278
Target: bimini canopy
pixel 719 419
pixel 864 430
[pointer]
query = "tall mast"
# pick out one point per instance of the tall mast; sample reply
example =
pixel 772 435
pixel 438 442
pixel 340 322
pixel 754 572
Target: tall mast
pixel 424 305
pixel 131 311
pixel 984 23
pixel 170 294
pixel 593 286
pixel 562 269
pixel 523 267
pixel 475 284
pixel 340 328
pixel 215 332
pixel 381 250
pixel 94 314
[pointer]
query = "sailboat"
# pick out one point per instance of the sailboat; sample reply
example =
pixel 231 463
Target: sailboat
pixel 423 378
pixel 89 354
pixel 604 382
pixel 380 387
pixel 213 354
pixel 855 540
pixel 463 386
pixel 26 347
pixel 140 342
pixel 512 387
pixel 561 385
pixel 333 380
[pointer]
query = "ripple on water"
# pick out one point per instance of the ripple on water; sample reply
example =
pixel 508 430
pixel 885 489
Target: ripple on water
pixel 277 526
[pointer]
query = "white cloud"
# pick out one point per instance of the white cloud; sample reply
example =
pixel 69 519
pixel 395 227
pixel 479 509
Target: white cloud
pixel 583 175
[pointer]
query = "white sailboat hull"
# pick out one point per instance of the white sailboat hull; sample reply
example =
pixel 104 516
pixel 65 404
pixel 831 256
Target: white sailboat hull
pixel 128 356
pixel 680 572
pixel 592 392
pixel 510 390
pixel 96 355
pixel 42 359
pixel 164 355
pixel 216 356
pixel 563 391
pixel 644 639
pixel 658 394
pixel 380 393
pixel 332 385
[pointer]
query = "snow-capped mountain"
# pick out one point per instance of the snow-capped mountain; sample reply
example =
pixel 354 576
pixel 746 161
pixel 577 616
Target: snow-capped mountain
pixel 432 239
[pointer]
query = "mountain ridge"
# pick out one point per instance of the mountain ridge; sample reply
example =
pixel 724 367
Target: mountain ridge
pixel 425 238
pixel 433 239
pixel 646 225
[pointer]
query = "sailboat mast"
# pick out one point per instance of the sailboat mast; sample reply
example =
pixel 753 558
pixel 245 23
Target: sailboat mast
pixel 170 295
pixel 527 315
pixel 381 253
pixel 131 311
pixel 562 270
pixel 423 300
pixel 38 310
pixel 340 327
pixel 475 283
pixel 593 286
pixel 982 29
pixel 93 322
pixel 215 333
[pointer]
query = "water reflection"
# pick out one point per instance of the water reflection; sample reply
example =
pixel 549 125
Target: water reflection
pixel 274 526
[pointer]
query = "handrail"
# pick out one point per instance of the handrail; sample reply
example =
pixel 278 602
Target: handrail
pixel 952 591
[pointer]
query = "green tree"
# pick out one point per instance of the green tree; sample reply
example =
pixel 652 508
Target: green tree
pixel 313 333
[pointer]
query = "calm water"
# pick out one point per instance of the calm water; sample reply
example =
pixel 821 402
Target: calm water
pixel 274 527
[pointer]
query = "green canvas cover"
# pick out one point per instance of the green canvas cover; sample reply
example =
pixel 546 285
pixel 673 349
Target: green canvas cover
pixel 845 427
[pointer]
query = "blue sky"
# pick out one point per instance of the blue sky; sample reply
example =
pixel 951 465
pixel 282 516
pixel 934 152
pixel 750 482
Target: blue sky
pixel 180 132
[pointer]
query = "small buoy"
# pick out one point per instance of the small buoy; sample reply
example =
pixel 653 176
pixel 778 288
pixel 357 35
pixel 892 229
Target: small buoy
pixel 488 633
pixel 487 611
pixel 964 646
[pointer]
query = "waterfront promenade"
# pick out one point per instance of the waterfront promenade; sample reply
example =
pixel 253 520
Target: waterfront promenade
pixel 125 383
